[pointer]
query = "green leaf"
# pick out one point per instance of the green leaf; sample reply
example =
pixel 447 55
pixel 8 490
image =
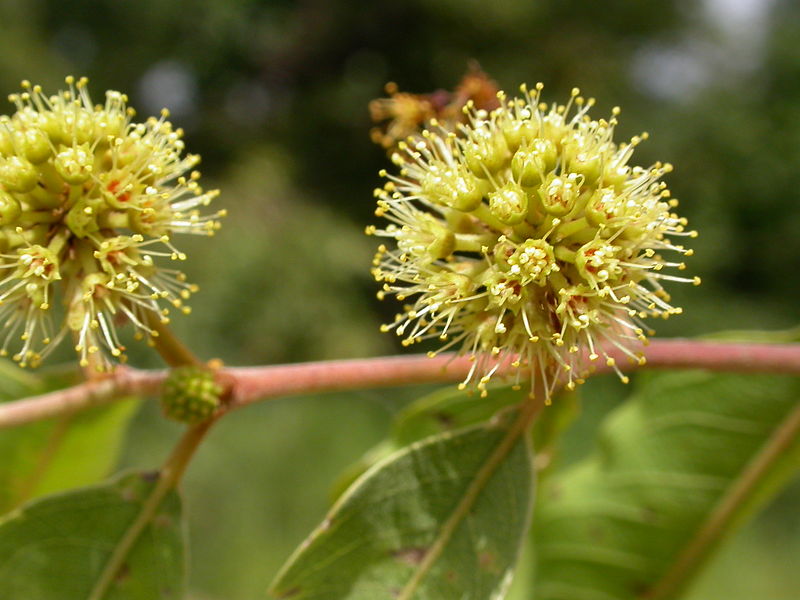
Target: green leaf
pixel 56 454
pixel 57 547
pixel 442 519
pixel 677 468
pixel 17 382
pixel 549 426
pixel 447 409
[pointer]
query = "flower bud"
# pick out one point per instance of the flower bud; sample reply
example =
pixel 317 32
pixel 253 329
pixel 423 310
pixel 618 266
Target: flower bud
pixel 6 141
pixel 74 164
pixel 35 145
pixel 17 174
pixel 454 188
pixel 587 165
pixel 82 126
pixel 559 193
pixel 600 207
pixel 528 168
pixel 502 252
pixel 10 209
pixel 190 395
pixel 81 219
pixel 616 176
pixel 486 154
pixel 532 162
pixel 115 121
pixel 55 127
pixel 517 133
pixel 509 204
pixel 432 241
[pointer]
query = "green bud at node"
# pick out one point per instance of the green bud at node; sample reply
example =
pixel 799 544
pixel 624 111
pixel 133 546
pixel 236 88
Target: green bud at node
pixel 190 395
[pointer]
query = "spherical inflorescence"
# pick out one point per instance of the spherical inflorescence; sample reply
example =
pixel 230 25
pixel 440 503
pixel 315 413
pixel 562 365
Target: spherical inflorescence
pixel 527 241
pixel 89 201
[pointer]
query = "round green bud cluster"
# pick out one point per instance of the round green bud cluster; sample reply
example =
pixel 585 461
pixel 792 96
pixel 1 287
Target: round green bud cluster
pixel 527 241
pixel 89 201
pixel 190 395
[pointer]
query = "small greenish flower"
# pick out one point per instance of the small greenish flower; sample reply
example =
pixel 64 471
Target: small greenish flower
pixel 89 202
pixel 526 240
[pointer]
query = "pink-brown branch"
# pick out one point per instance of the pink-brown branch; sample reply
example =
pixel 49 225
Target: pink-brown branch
pixel 251 384
pixel 124 382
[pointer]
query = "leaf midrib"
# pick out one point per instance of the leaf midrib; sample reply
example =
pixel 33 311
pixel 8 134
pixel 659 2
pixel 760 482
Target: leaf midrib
pixel 476 486
pixel 736 498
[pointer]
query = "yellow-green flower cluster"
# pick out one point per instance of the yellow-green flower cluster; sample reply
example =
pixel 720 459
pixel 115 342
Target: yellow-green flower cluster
pixel 89 201
pixel 527 241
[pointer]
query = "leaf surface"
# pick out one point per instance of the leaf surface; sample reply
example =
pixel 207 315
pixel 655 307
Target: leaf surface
pixel 378 540
pixel 56 454
pixel 57 547
pixel 449 409
pixel 446 409
pixel 676 468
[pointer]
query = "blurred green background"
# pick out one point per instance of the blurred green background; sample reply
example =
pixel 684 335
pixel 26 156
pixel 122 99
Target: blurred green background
pixel 274 96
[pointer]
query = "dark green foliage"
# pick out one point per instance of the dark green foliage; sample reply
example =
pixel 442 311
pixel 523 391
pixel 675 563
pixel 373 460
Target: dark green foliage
pixel 614 524
pixel 56 548
pixel 375 540
pixel 56 454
